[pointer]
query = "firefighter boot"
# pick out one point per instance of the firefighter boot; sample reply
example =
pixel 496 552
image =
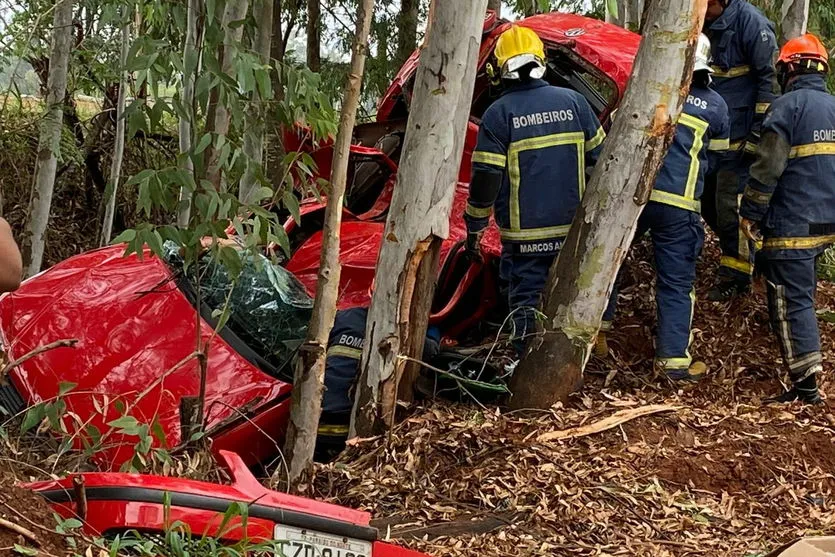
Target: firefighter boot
pixel 693 374
pixel 727 288
pixel 804 391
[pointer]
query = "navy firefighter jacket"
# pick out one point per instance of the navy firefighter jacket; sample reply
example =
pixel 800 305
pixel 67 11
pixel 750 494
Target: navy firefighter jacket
pixel 702 130
pixel 539 139
pixel 744 49
pixel 791 191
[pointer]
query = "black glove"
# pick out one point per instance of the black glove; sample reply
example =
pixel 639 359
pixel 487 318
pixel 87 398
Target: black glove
pixel 473 246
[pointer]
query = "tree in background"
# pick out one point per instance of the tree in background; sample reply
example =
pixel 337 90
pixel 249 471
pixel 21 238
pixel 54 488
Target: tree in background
pixel 418 218
pixel 314 35
pixel 582 278
pixel 309 375
pixel 49 140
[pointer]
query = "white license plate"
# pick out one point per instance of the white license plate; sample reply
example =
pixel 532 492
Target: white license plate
pixel 298 542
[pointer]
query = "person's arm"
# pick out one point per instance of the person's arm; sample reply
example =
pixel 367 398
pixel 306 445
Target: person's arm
pixel 771 162
pixel 489 162
pixel 11 263
pixel 593 131
pixel 720 132
pixel 763 54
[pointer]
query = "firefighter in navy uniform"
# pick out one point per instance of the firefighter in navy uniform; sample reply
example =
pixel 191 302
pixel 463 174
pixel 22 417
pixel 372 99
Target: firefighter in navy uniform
pixel 743 49
pixel 341 369
pixel 529 167
pixel 673 221
pixel 789 203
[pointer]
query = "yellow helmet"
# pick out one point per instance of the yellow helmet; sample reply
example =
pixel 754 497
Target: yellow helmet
pixel 518 47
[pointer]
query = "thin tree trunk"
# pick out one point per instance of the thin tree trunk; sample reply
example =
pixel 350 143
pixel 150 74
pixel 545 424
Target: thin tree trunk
pixel 253 144
pixel 274 148
pixel 496 6
pixel 191 64
pixel 219 119
pixel 632 19
pixel 418 218
pixel 49 138
pixel 582 278
pixel 310 365
pixel 314 35
pixel 119 140
pixel 795 17
pixel 407 23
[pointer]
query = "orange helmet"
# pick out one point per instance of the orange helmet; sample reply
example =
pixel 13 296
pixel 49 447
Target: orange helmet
pixel 805 48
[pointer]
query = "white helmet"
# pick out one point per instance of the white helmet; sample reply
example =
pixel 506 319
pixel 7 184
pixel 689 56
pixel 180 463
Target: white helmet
pixel 703 54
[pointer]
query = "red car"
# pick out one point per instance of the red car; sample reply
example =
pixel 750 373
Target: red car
pixel 116 503
pixel 135 322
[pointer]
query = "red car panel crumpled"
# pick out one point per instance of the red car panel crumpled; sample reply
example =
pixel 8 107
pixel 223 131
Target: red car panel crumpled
pixel 134 326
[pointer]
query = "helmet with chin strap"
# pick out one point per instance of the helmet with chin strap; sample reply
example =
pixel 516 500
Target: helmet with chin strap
pixel 802 55
pixel 517 48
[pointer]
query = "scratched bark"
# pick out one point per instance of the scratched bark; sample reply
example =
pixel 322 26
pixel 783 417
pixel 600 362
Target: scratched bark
pixel 419 215
pixel 583 276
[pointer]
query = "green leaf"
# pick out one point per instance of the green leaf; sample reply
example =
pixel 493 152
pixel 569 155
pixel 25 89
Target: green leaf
pixel 230 259
pixel 33 417
pixel 204 142
pixel 612 7
pixel 22 550
pixel 127 424
pixel 127 236
pixel 292 203
pixel 65 386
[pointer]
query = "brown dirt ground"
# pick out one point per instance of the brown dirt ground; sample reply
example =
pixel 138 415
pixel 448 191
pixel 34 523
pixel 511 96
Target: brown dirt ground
pixel 724 475
pixel 30 511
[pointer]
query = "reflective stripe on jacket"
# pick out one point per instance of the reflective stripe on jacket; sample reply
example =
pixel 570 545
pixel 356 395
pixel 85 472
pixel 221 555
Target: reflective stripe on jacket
pixel 540 138
pixel 792 186
pixel 702 128
pixel 744 49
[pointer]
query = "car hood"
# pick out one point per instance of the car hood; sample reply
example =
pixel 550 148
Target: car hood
pixel 136 334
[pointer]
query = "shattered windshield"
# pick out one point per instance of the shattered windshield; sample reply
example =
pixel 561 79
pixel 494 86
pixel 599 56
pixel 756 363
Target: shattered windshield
pixel 268 307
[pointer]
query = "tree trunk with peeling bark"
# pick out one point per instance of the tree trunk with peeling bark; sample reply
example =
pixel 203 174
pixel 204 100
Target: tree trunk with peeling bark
pixel 310 365
pixel 219 119
pixel 418 218
pixel 119 140
pixel 795 17
pixel 582 278
pixel 407 24
pixel 253 144
pixel 496 6
pixel 191 66
pixel 49 138
pixel 314 35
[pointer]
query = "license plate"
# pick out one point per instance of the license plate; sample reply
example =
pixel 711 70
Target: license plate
pixel 298 542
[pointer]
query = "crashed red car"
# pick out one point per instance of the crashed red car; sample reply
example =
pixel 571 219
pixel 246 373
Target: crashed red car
pixel 116 504
pixel 135 322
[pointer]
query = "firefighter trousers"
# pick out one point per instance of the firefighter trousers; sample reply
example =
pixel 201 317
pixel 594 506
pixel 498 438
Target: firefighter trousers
pixel 525 276
pixel 791 290
pixel 720 209
pixel 677 237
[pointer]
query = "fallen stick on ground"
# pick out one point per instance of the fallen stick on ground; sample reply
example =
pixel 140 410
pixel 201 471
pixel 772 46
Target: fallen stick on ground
pixel 616 419
pixel 68 342
pixel 18 529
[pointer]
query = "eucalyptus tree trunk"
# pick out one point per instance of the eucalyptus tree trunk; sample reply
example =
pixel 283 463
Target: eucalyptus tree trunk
pixel 49 138
pixel 795 17
pixel 253 144
pixel 418 219
pixel 582 278
pixel 119 139
pixel 314 35
pixel 407 24
pixel 496 6
pixel 191 66
pixel 310 365
pixel 219 119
